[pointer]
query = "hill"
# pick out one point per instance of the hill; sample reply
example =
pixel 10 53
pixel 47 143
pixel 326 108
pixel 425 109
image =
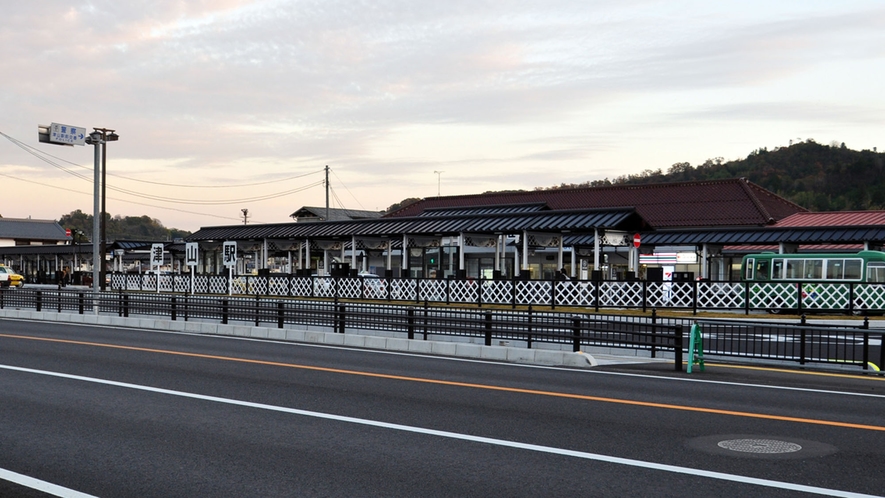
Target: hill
pixel 815 176
pixel 122 228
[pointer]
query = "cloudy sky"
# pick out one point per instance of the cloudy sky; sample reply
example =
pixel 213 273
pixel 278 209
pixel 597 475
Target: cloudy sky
pixel 223 105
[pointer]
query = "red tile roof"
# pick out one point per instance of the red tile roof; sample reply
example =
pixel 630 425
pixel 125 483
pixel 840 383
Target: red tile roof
pixel 734 202
pixel 834 219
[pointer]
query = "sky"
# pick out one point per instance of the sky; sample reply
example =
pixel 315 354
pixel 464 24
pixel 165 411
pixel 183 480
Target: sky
pixel 225 105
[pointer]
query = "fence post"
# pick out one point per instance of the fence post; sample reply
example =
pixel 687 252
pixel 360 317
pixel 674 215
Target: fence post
pixel 39 300
pixel 801 335
pixel 479 291
pixel 645 300
pixel 654 332
pixel 411 322
pixel 224 311
pixel 425 320
pixel 80 301
pixel 174 310
pixel 596 285
pixel 677 348
pixel 513 292
pixel 125 305
pixel 576 334
pixel 694 298
pixel 257 310
pixel 529 324
pixel 280 314
pixel 799 300
pixel 488 328
pixel 186 307
pixel 59 301
pixel 553 294
pixel 340 319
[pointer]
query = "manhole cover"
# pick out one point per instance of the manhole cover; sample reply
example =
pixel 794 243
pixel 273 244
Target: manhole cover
pixel 759 446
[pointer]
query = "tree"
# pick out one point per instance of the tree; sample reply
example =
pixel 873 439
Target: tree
pixel 123 228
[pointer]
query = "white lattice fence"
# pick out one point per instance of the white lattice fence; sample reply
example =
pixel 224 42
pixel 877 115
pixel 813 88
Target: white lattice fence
pixel 432 290
pixel 533 291
pixel 464 291
pixel 825 296
pixel 575 294
pixel 773 296
pixel 497 291
pixel 620 294
pixel 869 297
pixel 729 295
pixel 403 289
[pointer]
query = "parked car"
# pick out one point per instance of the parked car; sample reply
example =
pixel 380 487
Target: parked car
pixel 9 278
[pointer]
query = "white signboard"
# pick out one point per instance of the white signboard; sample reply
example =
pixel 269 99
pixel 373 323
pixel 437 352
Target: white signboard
pixel 67 134
pixel 156 255
pixel 229 256
pixel 191 253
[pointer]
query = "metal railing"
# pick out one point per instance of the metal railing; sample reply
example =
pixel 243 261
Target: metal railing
pixel 605 294
pixel 792 342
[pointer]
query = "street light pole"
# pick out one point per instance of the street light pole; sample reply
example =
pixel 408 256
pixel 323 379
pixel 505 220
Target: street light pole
pixel 106 136
pixel 95 139
pixel 438 176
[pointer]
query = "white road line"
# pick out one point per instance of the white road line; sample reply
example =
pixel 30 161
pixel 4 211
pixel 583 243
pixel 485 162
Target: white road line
pixel 46 487
pixel 463 437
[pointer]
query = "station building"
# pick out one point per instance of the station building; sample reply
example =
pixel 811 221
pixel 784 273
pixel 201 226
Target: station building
pixel 665 231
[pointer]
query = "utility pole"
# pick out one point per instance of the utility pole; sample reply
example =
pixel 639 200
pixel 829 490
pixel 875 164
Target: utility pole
pixel 327 192
pixel 245 215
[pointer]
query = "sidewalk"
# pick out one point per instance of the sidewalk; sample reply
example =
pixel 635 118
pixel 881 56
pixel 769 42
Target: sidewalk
pixel 368 339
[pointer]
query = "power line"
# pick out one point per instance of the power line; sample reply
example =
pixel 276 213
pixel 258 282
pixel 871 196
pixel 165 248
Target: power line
pixel 348 190
pixel 39 155
pixel 117 199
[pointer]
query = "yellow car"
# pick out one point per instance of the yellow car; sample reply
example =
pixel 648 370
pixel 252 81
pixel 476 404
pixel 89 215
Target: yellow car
pixel 9 278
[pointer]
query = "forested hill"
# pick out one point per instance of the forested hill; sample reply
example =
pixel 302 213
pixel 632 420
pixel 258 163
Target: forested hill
pixel 814 176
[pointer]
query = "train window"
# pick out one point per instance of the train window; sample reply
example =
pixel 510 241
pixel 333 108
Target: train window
pixel 795 269
pixel 835 268
pixel 762 269
pixel 814 269
pixel 875 272
pixel 777 269
pixel 853 269
pixel 751 265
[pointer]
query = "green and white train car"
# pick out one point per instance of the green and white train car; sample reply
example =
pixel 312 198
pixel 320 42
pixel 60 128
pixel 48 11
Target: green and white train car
pixel 816 282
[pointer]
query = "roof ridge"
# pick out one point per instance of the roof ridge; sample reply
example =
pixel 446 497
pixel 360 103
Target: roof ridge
pixel 769 219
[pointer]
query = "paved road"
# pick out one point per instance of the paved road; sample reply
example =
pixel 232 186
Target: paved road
pixel 108 412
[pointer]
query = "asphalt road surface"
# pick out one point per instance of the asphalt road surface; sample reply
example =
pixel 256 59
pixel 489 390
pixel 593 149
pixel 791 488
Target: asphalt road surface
pixel 96 411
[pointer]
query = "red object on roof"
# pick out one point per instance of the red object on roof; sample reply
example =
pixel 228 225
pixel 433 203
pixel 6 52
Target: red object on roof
pixel 833 219
pixel 734 202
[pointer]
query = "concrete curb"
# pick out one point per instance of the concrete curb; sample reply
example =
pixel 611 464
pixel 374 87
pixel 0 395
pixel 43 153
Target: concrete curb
pixel 317 335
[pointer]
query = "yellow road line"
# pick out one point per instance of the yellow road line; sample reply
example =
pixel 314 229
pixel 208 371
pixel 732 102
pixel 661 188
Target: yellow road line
pixel 801 372
pixel 584 397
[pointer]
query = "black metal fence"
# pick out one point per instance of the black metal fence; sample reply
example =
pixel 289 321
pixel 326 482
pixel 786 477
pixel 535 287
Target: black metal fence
pixel 793 342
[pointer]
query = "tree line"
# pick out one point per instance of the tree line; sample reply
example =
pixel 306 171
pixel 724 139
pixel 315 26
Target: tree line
pixel 815 176
pixel 122 228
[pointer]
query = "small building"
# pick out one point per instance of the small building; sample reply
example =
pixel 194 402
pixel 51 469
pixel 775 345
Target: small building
pixel 313 214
